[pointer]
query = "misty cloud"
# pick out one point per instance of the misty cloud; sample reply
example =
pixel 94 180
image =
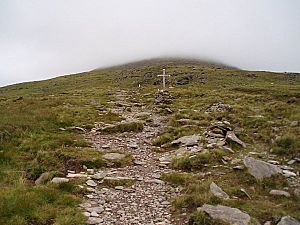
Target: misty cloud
pixel 44 38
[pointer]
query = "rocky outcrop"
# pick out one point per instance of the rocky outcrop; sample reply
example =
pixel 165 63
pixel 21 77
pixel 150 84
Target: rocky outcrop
pixel 260 169
pixel 288 220
pixel 226 214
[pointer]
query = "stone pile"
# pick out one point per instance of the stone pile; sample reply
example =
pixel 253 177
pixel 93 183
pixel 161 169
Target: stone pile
pixel 163 97
pixel 220 133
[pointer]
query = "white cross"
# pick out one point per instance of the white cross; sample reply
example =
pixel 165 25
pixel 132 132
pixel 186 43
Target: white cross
pixel 164 75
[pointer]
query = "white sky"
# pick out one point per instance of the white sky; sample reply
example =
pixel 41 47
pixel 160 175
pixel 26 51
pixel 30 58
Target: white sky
pixel 45 38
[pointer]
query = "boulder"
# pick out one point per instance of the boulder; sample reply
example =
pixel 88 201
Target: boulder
pixel 187 140
pixel 217 191
pixel 226 214
pixel 260 169
pixel 43 178
pixel 288 220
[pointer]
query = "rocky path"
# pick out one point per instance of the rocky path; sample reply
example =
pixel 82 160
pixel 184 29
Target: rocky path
pixel 145 202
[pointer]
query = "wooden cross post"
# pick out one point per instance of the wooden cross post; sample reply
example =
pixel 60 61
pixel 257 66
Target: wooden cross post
pixel 164 75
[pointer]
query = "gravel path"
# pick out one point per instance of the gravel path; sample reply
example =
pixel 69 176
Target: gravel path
pixel 147 201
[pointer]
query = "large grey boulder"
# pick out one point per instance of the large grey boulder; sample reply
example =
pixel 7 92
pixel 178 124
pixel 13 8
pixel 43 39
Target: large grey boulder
pixel 226 214
pixel 187 140
pixel 113 156
pixel 217 191
pixel 260 169
pixel 288 220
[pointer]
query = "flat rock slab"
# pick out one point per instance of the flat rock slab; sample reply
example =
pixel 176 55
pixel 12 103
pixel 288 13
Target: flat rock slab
pixel 288 220
pixel 260 169
pixel 226 214
pixel 187 140
pixel 113 156
pixel 217 191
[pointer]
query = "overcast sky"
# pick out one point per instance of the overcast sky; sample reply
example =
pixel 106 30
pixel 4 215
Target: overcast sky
pixel 45 38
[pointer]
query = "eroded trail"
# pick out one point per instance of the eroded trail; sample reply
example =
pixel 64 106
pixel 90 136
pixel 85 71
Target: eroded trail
pixel 147 201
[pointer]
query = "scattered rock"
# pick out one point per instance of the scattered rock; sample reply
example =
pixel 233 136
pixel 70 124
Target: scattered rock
pixel 245 192
pixel 87 214
pixel 288 173
pixel 217 107
pixel 95 209
pixel 76 175
pixel 226 214
pixel 43 178
pixel 260 169
pixel 119 188
pixel 297 193
pixel 280 193
pixel 295 123
pixel 230 135
pixel 98 176
pixel 91 183
pixel 292 100
pixel 291 162
pixel 140 163
pixel 239 167
pixel 59 180
pixel 288 220
pixel 217 191
pixel 94 220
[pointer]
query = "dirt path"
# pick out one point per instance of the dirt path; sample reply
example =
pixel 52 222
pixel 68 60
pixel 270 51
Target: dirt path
pixel 147 201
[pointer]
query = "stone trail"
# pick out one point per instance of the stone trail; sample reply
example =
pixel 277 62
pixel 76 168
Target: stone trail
pixel 147 201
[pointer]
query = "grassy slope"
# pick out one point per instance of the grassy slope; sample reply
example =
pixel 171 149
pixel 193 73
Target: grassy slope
pixel 31 142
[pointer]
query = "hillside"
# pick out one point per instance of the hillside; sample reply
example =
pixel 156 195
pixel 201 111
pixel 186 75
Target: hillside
pixel 112 143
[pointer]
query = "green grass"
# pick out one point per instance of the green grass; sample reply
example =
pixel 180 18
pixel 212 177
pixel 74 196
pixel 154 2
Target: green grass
pixel 31 141
pixel 38 205
pixel 288 145
pixel 198 161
